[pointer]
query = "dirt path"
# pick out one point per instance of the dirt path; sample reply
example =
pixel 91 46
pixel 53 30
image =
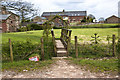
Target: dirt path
pixel 61 69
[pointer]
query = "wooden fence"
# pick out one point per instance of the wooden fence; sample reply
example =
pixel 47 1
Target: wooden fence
pixel 113 46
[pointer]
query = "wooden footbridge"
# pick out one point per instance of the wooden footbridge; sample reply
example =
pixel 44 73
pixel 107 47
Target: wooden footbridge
pixel 62 45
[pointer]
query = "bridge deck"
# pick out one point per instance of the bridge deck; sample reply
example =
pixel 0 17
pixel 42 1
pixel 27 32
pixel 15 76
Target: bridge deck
pixel 61 51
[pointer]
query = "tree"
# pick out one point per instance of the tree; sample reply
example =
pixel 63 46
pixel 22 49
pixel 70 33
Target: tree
pixel 101 19
pixel 25 10
pixel 84 20
pixel 91 16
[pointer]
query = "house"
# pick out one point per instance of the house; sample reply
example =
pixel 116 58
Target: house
pixel 112 19
pixel 9 21
pixel 71 16
pixel 39 19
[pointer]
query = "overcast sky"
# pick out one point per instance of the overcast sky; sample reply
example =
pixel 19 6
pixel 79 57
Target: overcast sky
pixel 99 8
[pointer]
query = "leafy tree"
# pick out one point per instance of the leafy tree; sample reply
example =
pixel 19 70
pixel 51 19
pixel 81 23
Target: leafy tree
pixel 101 19
pixel 91 16
pixel 48 25
pixel 25 10
pixel 84 20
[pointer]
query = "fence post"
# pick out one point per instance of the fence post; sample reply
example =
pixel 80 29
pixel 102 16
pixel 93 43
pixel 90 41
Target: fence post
pixel 76 48
pixel 42 49
pixel 68 45
pixel 53 39
pixel 11 52
pixel 113 44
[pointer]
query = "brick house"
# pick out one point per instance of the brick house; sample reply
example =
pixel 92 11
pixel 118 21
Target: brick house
pixel 112 19
pixel 39 19
pixel 9 21
pixel 71 16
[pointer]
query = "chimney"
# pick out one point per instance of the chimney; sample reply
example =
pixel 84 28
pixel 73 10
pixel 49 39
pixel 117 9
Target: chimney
pixel 63 10
pixel 3 10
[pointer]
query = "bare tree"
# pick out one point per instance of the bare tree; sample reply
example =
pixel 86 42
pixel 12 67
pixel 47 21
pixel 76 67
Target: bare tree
pixel 25 10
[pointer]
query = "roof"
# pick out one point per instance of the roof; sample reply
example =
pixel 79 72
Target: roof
pixel 26 23
pixel 40 22
pixel 13 13
pixel 66 13
pixel 4 17
pixel 113 16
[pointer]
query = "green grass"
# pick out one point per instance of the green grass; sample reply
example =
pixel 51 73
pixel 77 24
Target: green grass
pixel 25 65
pixel 104 65
pixel 97 26
pixel 83 34
pixel 22 36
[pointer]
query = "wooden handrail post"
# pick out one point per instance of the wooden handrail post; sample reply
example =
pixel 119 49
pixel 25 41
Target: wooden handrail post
pixel 70 35
pixel 76 47
pixel 68 44
pixel 113 44
pixel 42 49
pixel 52 33
pixel 11 52
pixel 53 39
pixel 61 34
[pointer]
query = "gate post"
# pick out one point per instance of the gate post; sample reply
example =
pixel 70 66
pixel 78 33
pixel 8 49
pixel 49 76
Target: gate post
pixel 76 47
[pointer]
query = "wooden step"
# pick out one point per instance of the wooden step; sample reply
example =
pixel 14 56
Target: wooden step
pixel 61 55
pixel 61 52
pixel 59 44
pixel 61 49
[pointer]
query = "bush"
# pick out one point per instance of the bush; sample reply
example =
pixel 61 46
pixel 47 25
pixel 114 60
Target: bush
pixel 34 27
pixel 48 48
pixel 20 49
pixel 22 29
pixel 91 51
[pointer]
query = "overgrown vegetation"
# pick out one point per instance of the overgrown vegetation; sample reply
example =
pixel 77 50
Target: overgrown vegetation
pixel 103 65
pixel 21 50
pixel 93 51
pixel 30 27
pixel 24 65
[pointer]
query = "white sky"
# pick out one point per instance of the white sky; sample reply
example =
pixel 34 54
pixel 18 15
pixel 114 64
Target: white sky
pixel 99 8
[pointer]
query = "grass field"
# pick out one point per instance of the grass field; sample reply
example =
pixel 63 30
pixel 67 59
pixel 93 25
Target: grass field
pixel 96 26
pixel 83 34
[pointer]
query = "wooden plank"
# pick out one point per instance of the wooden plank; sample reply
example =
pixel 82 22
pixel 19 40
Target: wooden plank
pixel 61 52
pixel 59 44
pixel 64 35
